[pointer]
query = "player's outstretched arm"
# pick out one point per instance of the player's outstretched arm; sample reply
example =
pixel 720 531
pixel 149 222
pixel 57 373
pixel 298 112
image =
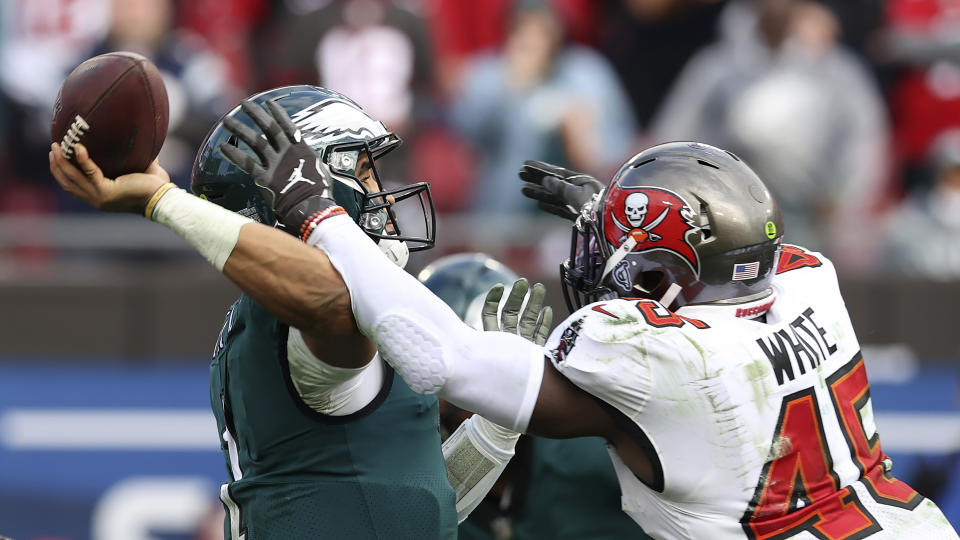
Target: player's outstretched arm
pixel 502 376
pixel 295 283
pixel 478 444
pixel 492 373
pixel 495 374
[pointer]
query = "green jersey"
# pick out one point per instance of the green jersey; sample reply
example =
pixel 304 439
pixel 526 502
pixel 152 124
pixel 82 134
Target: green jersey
pixel 295 473
pixel 572 493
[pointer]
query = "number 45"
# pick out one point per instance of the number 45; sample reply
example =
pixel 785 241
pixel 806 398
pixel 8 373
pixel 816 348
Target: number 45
pixel 799 488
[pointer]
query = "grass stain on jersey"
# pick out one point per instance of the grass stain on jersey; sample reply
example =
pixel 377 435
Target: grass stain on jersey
pixel 926 515
pixel 622 319
pixel 619 330
pixel 704 355
pixel 839 331
pixel 697 346
pixel 757 373
pixel 622 336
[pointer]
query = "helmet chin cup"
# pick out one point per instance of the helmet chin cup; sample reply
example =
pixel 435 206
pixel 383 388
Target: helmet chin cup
pixel 395 250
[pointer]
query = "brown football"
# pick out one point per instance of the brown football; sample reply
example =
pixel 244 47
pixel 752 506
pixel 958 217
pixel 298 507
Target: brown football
pixel 116 105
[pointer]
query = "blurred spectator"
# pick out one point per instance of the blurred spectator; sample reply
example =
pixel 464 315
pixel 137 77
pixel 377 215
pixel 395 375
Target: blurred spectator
pixel 539 98
pixel 649 42
pixel 924 233
pixel 197 79
pixel 461 30
pixel 779 90
pixel 376 51
pixel 860 21
pixel 227 28
pixel 921 39
pixel 40 42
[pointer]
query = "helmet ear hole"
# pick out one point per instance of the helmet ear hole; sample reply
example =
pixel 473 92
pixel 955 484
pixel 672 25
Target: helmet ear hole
pixel 706 232
pixel 650 279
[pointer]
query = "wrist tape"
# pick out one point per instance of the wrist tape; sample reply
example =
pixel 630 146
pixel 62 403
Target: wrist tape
pixel 213 231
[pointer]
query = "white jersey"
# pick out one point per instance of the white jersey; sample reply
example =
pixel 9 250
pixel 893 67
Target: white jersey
pixel 760 429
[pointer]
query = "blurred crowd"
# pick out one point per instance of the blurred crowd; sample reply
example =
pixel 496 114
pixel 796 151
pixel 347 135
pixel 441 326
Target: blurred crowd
pixel 849 109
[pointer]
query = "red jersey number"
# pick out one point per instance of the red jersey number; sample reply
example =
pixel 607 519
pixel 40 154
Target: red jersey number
pixel 799 490
pixel 660 317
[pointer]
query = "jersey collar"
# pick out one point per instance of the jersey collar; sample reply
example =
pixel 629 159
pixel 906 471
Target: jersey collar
pixel 745 310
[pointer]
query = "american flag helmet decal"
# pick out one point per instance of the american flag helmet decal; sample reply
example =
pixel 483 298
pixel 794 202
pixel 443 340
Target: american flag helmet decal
pixel 744 271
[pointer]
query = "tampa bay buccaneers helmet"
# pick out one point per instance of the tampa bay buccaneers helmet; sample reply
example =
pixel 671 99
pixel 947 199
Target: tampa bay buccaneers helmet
pixel 339 131
pixel 682 223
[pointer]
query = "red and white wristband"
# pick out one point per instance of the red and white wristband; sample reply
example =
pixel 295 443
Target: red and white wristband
pixel 311 223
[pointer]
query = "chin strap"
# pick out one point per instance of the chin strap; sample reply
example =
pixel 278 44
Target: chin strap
pixel 668 297
pixel 618 255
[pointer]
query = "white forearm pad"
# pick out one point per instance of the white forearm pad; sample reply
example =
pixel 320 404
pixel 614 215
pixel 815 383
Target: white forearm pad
pixel 213 231
pixel 476 454
pixel 492 373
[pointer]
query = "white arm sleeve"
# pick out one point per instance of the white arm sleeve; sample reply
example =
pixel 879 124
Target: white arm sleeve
pixel 331 390
pixel 494 374
pixel 476 454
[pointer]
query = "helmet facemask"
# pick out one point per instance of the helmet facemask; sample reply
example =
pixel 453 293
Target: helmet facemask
pixel 582 273
pixel 349 162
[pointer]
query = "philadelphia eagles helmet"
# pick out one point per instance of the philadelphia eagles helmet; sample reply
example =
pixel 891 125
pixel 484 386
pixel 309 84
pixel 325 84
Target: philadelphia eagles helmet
pixel 340 132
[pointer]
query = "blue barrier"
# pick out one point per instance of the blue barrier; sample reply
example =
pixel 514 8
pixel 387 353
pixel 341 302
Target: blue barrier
pixel 130 452
pixel 87 449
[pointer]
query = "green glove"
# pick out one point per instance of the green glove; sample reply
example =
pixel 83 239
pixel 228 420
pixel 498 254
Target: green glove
pixel 531 323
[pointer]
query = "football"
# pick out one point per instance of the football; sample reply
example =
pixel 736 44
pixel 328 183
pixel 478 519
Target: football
pixel 116 105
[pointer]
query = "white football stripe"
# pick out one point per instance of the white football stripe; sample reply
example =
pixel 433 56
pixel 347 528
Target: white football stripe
pixel 918 433
pixel 108 429
pixel 195 429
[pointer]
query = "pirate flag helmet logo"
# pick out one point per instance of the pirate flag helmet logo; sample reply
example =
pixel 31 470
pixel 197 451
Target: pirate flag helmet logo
pixel 681 223
pixel 655 218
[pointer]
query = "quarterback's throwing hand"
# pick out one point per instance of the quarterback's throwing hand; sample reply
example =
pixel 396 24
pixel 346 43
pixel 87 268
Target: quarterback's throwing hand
pixel 557 190
pixel 85 181
pixel 531 322
pixel 289 173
